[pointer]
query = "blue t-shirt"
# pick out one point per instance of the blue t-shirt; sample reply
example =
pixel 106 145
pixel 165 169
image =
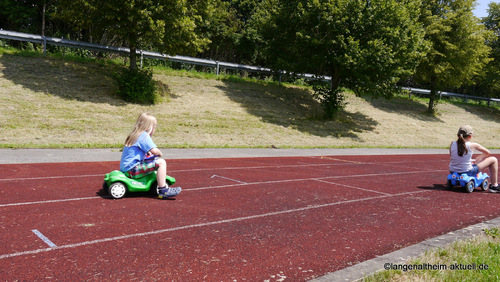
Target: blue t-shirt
pixel 135 154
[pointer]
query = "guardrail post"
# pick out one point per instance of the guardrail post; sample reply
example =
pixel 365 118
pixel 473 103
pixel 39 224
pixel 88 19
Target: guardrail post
pixel 217 68
pixel 44 45
pixel 142 56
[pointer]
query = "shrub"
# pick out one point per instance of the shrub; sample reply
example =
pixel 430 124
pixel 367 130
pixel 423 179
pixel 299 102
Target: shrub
pixel 332 100
pixel 137 86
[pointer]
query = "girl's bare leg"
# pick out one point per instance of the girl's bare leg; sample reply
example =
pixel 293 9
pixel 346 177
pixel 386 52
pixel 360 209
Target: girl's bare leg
pixel 492 164
pixel 161 173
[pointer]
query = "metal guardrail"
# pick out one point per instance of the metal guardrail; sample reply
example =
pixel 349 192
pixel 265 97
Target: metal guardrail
pixel 13 35
pixel 450 94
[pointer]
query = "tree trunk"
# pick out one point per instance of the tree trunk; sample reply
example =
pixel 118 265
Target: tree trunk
pixel 335 82
pixel 133 58
pixel 433 96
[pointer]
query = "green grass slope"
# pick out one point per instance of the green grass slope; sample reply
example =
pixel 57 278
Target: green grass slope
pixel 52 102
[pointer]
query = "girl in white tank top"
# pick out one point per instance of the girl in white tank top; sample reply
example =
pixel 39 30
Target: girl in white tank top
pixel 461 161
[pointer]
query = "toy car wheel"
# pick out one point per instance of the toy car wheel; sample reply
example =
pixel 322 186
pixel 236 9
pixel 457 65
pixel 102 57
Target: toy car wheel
pixel 470 186
pixel 485 185
pixel 117 190
pixel 449 185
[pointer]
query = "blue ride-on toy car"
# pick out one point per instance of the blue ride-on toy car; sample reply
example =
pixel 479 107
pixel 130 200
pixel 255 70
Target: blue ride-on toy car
pixel 468 182
pixel 117 184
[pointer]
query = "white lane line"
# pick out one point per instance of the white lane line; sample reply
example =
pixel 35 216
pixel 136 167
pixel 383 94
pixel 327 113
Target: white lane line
pixel 45 239
pixel 170 171
pixel 344 161
pixel 205 169
pixel 48 201
pixel 307 179
pixel 234 185
pixel 155 232
pixel 353 187
pixel 50 177
pixel 215 175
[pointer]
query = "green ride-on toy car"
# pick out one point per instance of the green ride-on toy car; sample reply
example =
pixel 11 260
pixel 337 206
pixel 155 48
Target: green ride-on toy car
pixel 117 184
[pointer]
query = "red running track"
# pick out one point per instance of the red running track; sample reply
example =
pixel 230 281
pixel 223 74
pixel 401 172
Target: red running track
pixel 254 219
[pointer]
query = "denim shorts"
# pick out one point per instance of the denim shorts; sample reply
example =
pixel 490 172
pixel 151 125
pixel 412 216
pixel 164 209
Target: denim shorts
pixel 473 172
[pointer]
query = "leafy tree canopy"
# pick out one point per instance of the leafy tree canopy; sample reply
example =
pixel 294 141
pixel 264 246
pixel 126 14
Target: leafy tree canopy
pixel 491 79
pixel 168 26
pixel 457 45
pixel 20 15
pixel 366 46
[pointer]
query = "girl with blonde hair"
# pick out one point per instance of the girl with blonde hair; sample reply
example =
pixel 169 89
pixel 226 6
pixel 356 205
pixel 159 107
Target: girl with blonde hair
pixel 137 157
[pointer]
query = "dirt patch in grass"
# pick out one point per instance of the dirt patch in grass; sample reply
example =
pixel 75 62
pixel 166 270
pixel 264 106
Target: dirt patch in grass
pixel 48 102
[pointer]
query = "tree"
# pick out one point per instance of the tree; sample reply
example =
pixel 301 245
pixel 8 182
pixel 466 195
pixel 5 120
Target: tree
pixel 168 26
pixel 232 38
pixel 457 46
pixel 248 38
pixel 366 46
pixel 492 74
pixel 21 15
pixel 222 30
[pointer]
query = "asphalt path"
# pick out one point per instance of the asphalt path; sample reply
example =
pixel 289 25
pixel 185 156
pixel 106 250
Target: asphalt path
pixel 12 156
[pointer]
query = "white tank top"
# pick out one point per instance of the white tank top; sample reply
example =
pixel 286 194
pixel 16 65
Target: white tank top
pixel 463 163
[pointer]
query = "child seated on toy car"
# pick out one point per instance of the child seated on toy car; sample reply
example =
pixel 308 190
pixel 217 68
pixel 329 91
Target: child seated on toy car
pixel 138 155
pixel 461 161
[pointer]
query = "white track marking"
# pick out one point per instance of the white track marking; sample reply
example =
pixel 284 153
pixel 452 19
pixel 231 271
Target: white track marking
pixel 354 187
pixel 51 177
pixel 215 175
pixel 49 201
pixel 211 169
pixel 104 240
pixel 233 185
pixel 308 179
pixel 170 171
pixel 391 162
pixel 45 239
pixel 344 161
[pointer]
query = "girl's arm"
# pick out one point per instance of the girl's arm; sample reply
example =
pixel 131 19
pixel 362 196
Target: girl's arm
pixel 156 152
pixel 484 152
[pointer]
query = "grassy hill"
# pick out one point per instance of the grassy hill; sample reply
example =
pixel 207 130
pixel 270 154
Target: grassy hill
pixel 53 102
